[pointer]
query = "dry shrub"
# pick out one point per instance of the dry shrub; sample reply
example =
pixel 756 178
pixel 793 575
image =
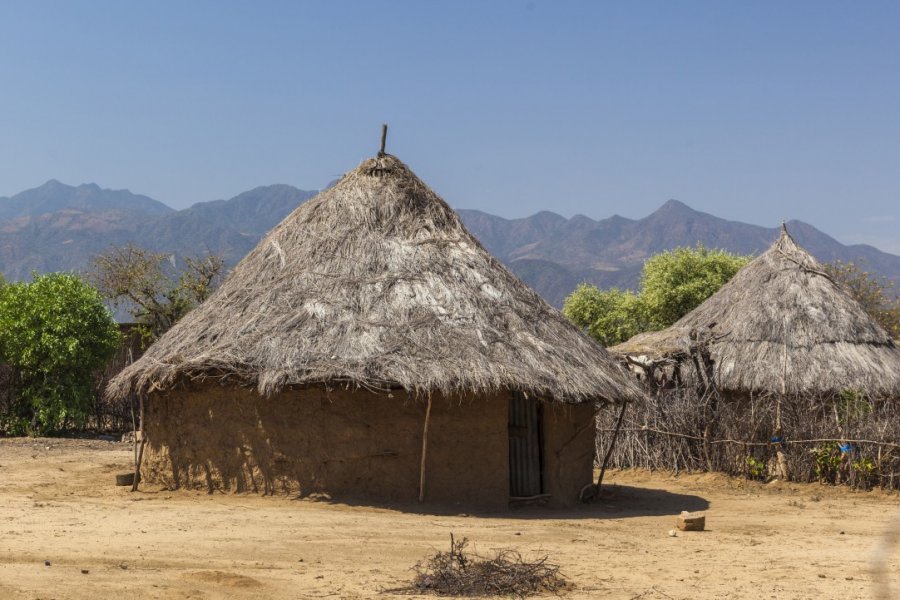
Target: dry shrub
pixel 464 573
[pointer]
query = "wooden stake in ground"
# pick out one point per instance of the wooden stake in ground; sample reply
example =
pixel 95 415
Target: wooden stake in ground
pixel 134 429
pixel 140 454
pixel 609 450
pixel 424 451
pixel 781 466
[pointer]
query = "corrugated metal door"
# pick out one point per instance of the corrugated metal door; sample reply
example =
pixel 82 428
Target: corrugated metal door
pixel 524 447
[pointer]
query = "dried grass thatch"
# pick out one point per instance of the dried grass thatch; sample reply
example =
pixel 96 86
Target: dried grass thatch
pixel 782 319
pixel 376 283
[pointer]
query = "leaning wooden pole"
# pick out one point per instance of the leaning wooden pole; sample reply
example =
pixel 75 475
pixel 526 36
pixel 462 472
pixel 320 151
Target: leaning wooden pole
pixel 612 444
pixel 424 451
pixel 140 455
pixel 134 436
pixel 134 429
pixel 781 464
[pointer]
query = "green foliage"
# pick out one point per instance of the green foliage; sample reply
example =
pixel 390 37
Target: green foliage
pixel 865 472
pixel 756 469
pixel 675 282
pixel 148 285
pixel 876 294
pixel 610 316
pixel 827 460
pixel 55 332
pixel 672 284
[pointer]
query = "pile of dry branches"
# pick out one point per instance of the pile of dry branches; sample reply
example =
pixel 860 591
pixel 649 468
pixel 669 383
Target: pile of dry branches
pixel 462 573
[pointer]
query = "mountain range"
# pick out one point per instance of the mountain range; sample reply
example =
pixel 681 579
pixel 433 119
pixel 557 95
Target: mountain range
pixel 59 227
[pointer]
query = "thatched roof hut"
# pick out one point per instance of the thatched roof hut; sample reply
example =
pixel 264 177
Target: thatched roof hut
pixel 371 290
pixel 782 325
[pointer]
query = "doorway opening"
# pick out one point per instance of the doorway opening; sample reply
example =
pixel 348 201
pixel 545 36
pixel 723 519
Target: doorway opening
pixel 525 447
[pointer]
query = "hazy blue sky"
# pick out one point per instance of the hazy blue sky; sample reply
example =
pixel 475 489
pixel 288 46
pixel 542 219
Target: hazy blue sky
pixel 754 111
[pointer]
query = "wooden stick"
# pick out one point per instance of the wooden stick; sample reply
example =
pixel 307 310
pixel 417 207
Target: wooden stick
pixel 781 459
pixel 140 458
pixel 383 138
pixel 134 440
pixel 424 451
pixel 609 450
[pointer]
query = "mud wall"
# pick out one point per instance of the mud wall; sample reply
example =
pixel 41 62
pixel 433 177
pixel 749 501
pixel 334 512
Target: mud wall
pixel 568 433
pixel 347 444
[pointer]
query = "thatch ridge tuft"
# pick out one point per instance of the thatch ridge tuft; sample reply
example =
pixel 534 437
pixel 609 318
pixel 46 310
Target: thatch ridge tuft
pixel 376 283
pixel 782 312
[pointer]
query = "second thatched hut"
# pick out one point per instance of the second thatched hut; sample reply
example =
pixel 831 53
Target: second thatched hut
pixel 369 347
pixel 780 373
pixel 781 326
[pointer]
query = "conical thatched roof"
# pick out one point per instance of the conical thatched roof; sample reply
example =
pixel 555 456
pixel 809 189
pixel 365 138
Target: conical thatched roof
pixel 376 283
pixel 783 313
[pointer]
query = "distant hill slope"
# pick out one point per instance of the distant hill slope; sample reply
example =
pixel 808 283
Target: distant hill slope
pixel 551 252
pixel 230 228
pixel 54 196
pixel 59 227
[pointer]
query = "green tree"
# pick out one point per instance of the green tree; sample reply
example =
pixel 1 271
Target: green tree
pixel 672 284
pixel 55 332
pixel 610 316
pixel 876 294
pixel 675 282
pixel 148 285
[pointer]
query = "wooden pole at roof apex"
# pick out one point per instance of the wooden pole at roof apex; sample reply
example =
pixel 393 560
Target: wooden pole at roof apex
pixel 383 138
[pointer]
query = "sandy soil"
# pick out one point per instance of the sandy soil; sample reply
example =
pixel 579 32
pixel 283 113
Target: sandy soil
pixel 58 504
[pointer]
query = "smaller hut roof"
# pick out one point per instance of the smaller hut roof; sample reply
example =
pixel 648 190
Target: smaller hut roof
pixel 783 313
pixel 376 283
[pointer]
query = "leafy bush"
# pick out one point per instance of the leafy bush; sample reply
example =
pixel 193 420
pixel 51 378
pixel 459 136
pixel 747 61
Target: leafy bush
pixel 756 469
pixel 676 282
pixel 55 332
pixel 827 459
pixel 672 284
pixel 609 316
pixel 865 470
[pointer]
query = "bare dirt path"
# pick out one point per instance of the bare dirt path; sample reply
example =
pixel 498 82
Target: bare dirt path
pixel 58 504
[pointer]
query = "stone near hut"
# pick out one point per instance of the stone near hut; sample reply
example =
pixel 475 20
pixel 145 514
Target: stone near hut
pixel 124 479
pixel 690 521
pixel 131 436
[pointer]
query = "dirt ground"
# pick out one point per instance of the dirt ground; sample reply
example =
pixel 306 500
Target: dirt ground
pixel 58 504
